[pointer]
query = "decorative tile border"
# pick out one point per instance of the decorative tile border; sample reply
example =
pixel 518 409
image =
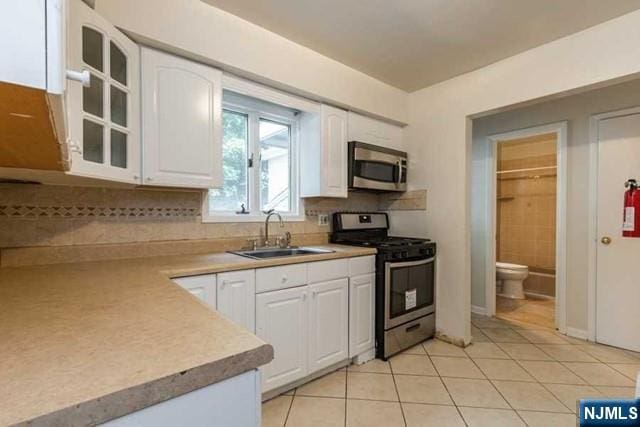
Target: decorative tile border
pixel 96 212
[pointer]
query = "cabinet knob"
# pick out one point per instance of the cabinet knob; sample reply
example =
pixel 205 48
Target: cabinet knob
pixel 149 178
pixel 606 240
pixel 284 279
pixel 80 76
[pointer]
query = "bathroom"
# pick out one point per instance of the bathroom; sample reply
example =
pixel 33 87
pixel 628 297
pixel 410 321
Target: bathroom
pixel 526 191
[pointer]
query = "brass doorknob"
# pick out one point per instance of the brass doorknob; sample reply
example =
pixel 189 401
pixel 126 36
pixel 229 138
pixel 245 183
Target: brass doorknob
pixel 606 240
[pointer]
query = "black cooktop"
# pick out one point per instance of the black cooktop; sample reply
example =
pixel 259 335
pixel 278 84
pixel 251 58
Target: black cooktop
pixel 384 242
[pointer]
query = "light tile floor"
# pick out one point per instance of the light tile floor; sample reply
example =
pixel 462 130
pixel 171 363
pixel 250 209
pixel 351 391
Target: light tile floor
pixel 514 374
pixel 536 311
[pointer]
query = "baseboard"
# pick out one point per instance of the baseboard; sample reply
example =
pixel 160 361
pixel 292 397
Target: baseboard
pixel 476 309
pixel 578 333
pixel 364 357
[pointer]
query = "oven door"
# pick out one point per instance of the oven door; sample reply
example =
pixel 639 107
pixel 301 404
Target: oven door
pixel 378 170
pixel 409 291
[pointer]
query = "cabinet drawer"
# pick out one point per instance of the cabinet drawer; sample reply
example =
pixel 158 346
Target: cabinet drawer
pixel 281 277
pixel 362 265
pixel 323 271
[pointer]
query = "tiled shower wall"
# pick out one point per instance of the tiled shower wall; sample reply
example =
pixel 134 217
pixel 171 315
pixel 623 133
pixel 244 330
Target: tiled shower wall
pixel 38 215
pixel 527 209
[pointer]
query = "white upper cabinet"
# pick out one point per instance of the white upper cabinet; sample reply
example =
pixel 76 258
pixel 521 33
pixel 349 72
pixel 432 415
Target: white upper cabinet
pixel 103 115
pixel 202 287
pixel 236 297
pixel 328 320
pixel 323 147
pixel 372 131
pixel 22 45
pixel 181 122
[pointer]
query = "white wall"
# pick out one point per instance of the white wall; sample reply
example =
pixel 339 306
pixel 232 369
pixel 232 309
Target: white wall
pixel 198 30
pixel 576 110
pixel 439 137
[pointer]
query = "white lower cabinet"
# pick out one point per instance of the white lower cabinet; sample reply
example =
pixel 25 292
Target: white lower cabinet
pixel 236 297
pixel 281 320
pixel 202 287
pixel 361 313
pixel 328 320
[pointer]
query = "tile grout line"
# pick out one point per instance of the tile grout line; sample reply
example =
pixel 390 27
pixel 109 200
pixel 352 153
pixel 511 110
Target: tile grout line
pixel 534 378
pixel 499 392
pixel 346 391
pixel 395 386
pixel 289 410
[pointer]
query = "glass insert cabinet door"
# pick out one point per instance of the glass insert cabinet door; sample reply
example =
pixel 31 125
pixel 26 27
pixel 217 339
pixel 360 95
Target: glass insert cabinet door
pixel 104 116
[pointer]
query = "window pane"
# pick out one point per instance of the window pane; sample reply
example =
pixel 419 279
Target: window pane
pixel 92 142
pixel 275 144
pixel 235 139
pixel 118 64
pixel 93 97
pixel 118 149
pixel 118 106
pixel 92 48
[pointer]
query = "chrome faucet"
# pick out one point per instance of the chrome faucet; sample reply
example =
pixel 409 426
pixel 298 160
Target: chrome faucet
pixel 269 214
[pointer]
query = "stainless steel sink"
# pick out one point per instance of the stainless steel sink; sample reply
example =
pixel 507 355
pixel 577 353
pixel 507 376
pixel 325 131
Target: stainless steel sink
pixel 280 252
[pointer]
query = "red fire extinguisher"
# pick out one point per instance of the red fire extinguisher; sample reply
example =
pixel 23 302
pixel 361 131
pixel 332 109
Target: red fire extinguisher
pixel 631 216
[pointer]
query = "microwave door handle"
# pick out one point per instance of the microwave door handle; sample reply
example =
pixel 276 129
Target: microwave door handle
pixel 399 163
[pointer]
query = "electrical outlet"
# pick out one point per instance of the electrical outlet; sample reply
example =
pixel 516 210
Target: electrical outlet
pixel 323 219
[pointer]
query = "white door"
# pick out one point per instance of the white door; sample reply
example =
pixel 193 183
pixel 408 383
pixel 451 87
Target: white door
pixel 361 314
pixel 617 286
pixel 103 118
pixel 237 297
pixel 202 287
pixel 328 324
pixel 181 122
pixel 281 320
pixel 334 142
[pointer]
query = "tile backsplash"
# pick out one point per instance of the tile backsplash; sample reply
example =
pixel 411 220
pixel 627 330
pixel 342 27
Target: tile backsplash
pixel 38 215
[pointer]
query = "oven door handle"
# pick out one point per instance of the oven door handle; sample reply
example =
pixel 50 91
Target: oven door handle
pixel 410 263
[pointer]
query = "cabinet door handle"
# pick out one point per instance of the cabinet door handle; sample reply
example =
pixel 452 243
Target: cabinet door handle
pixel 223 284
pixel 313 294
pixel 304 296
pixel 80 76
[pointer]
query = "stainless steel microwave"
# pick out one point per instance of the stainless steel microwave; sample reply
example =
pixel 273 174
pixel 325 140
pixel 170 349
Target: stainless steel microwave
pixel 376 168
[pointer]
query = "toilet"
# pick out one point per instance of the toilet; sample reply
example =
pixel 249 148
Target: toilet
pixel 511 278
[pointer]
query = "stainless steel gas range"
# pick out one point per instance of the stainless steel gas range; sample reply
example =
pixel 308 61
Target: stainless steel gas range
pixel 405 280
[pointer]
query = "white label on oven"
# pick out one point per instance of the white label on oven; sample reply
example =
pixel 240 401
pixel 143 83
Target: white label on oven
pixel 410 299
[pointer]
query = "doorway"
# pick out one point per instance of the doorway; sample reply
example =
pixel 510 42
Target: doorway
pixel 613 288
pixel 526 214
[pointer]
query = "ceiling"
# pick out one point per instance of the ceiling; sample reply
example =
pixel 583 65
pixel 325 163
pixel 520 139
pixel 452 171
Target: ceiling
pixel 412 44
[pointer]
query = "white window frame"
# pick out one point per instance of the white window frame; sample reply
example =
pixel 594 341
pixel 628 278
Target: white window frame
pixel 255 113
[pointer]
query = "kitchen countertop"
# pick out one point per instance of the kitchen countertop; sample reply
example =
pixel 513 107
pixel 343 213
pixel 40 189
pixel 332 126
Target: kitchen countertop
pixel 87 342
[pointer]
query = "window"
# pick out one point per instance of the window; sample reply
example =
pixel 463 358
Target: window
pixel 259 159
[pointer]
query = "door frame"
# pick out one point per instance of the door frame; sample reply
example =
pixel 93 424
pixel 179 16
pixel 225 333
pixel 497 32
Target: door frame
pixel 560 129
pixel 594 122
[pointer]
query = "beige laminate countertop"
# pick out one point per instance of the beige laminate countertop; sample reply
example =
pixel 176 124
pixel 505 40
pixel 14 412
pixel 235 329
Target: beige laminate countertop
pixel 84 343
